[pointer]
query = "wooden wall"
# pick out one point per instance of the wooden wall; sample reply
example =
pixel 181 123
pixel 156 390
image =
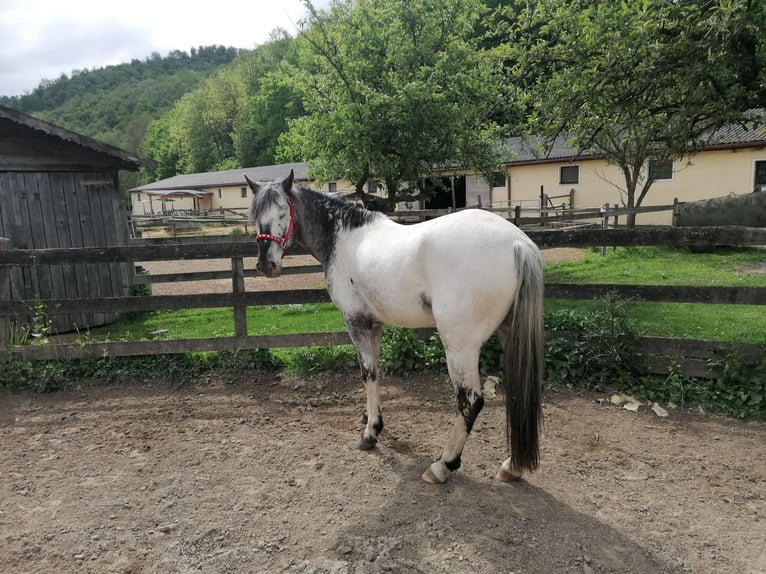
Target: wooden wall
pixel 49 209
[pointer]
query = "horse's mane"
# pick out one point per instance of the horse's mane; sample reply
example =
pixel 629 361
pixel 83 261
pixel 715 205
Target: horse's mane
pixel 327 208
pixel 349 213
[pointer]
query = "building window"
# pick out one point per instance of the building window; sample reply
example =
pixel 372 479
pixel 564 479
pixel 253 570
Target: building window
pixel 243 191
pixel 569 174
pixel 660 169
pixel 332 187
pixel 219 194
pixel 759 175
pixel 498 179
pixel 372 187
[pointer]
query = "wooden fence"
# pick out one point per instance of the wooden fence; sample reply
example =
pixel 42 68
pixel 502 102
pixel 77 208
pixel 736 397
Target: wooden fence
pixel 692 355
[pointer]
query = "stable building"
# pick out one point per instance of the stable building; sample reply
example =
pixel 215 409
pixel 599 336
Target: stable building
pixel 60 189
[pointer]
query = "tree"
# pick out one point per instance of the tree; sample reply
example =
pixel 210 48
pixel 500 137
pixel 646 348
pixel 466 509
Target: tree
pixel 637 81
pixel 393 90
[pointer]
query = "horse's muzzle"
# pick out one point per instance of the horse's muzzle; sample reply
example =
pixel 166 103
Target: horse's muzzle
pixel 269 269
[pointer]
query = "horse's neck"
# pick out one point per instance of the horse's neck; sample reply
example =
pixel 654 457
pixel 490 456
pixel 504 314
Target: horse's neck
pixel 317 226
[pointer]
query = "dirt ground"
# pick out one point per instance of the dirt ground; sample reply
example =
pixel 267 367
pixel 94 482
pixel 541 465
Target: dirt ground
pixel 260 474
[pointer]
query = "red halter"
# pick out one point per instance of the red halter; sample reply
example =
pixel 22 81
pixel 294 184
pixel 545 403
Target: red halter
pixel 282 241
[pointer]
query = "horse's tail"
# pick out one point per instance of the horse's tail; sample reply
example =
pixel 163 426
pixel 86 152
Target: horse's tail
pixel 522 337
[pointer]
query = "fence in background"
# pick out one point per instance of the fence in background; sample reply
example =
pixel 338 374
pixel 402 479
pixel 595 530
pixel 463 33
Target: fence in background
pixel 691 355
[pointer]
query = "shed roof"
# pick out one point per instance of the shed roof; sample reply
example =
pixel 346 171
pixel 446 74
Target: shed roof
pixel 227 178
pixel 14 118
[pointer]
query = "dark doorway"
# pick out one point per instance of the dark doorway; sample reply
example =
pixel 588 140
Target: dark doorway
pixel 439 192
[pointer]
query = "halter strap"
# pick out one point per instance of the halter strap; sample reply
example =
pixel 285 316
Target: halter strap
pixel 282 241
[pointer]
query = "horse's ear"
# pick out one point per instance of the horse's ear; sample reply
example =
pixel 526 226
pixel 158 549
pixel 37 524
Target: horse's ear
pixel 287 184
pixel 254 186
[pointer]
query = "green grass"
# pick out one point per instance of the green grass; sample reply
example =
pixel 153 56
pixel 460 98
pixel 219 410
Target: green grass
pixel 195 323
pixel 662 266
pixel 644 265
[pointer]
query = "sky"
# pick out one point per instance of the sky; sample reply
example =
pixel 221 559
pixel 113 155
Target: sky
pixel 41 39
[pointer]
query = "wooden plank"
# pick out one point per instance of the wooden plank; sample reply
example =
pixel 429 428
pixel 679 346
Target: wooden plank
pixel 101 235
pixel 718 295
pixel 690 366
pixel 649 236
pixel 5 295
pixel 167 252
pixel 672 236
pixel 50 212
pixel 68 218
pixel 223 274
pixel 699 348
pixel 659 293
pixel 85 222
pixel 21 282
pixel 238 289
pixel 174 346
pixel 164 302
pixel 658 365
pixel 41 271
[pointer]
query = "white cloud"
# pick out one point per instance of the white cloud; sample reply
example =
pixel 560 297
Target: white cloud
pixel 42 39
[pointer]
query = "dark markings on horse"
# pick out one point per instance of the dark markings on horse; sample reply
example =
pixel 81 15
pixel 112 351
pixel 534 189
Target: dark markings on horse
pixel 454 464
pixel 329 215
pixel 469 405
pixel 369 373
pixel 425 302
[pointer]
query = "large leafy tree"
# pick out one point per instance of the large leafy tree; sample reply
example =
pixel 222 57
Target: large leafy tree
pixel 394 90
pixel 637 81
pixel 271 100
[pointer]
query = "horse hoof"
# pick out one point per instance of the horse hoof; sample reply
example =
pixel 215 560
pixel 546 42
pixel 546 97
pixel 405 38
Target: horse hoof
pixel 504 475
pixel 366 443
pixel 431 478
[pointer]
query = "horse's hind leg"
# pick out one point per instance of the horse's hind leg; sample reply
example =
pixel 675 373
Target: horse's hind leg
pixel 365 334
pixel 464 371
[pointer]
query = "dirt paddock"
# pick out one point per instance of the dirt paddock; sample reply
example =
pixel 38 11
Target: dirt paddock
pixel 260 475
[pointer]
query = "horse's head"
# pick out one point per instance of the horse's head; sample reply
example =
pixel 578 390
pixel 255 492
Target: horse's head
pixel 274 217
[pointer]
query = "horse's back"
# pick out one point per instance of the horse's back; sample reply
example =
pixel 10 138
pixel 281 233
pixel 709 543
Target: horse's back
pixel 474 241
pixel 460 267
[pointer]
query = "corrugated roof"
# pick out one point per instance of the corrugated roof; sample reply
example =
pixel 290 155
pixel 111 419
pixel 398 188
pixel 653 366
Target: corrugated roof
pixel 177 192
pixel 535 150
pixel 228 178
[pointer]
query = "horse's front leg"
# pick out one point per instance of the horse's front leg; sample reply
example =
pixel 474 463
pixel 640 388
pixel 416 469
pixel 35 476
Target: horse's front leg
pixel 464 371
pixel 365 333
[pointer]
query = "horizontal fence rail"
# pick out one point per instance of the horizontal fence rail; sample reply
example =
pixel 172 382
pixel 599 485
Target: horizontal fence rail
pixel 237 248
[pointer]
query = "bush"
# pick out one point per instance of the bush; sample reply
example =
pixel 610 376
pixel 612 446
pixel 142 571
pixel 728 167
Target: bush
pixel 600 352
pixel 309 360
pixel 47 376
pixel 402 351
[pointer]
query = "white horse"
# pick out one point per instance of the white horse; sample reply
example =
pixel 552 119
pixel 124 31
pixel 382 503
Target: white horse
pixel 469 273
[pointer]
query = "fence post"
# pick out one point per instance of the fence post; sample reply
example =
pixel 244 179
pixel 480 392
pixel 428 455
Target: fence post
pixel 674 221
pixel 604 223
pixel 517 215
pixel 238 287
pixel 5 295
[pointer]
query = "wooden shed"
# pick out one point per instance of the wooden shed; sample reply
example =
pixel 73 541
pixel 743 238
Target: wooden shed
pixel 60 189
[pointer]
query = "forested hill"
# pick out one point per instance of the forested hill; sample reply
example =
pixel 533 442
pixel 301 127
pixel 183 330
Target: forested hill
pixel 116 104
